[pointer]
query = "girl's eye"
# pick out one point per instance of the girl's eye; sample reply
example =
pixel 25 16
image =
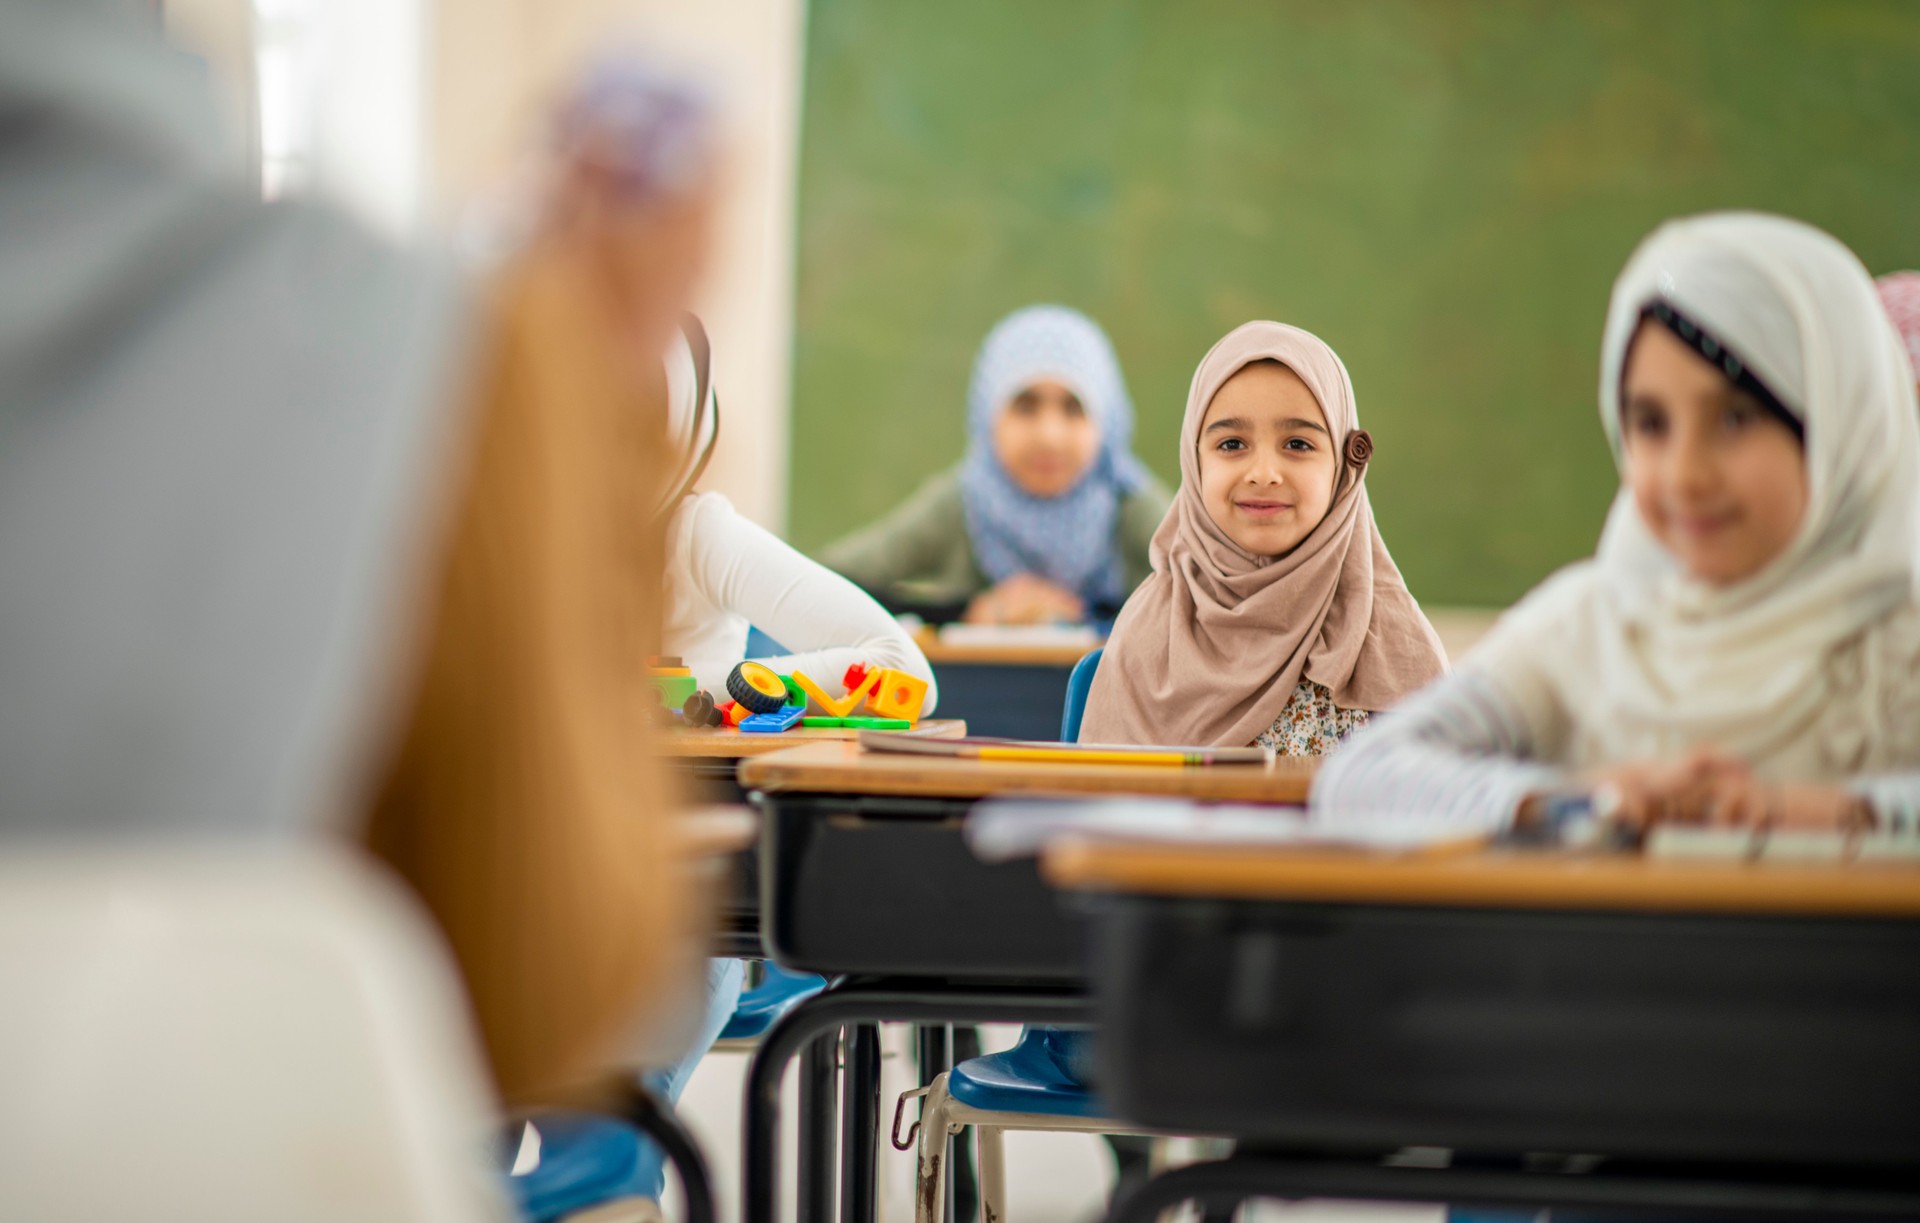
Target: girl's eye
pixel 1231 444
pixel 1300 444
pixel 1739 415
pixel 1644 422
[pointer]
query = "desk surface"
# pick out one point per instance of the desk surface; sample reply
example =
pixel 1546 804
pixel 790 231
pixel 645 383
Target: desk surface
pixel 842 768
pixel 999 653
pixel 728 743
pixel 1488 879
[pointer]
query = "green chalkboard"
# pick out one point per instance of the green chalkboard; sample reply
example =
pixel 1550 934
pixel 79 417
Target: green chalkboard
pixel 1443 191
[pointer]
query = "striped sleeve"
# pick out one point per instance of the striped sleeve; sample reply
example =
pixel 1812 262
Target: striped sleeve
pixel 1458 755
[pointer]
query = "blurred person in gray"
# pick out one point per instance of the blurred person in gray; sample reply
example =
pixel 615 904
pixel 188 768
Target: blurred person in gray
pixel 221 424
pixel 299 538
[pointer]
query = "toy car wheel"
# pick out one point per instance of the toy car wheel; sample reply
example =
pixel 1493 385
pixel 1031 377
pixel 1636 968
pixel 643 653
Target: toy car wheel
pixel 757 688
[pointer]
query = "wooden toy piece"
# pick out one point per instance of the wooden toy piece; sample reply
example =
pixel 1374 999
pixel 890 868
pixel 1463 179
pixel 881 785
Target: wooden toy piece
pixel 657 662
pixel 757 687
pixel 898 695
pixel 774 723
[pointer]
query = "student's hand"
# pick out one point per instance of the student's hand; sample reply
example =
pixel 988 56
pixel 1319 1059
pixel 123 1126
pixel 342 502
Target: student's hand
pixel 1684 790
pixel 1026 599
pixel 1746 802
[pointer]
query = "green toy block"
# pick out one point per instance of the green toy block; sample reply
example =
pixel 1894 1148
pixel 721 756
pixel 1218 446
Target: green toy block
pixel 796 695
pixel 856 724
pixel 675 689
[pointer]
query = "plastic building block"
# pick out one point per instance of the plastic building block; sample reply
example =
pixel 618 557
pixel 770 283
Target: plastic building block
pixel 836 707
pixel 796 695
pixel 699 710
pixel 665 672
pixel 898 695
pixel 731 713
pixel 674 689
pixel 657 661
pixel 774 723
pixel 855 676
pixel 855 724
pixel 757 687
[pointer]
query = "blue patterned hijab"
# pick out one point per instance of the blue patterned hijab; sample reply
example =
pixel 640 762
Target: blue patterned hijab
pixel 1066 539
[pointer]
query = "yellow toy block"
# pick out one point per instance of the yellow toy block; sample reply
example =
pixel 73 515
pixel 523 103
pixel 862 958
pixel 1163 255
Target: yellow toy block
pixel 836 707
pixel 898 695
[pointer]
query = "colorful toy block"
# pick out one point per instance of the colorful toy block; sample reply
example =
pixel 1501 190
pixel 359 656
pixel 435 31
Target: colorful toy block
pixel 818 695
pixel 774 723
pixel 674 689
pixel 732 713
pixel 898 695
pixel 856 724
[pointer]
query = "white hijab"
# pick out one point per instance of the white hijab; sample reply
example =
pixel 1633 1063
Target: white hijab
pixel 1649 661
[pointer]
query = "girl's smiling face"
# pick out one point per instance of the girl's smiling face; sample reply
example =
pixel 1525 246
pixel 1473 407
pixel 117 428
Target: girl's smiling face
pixel 1720 482
pixel 1267 460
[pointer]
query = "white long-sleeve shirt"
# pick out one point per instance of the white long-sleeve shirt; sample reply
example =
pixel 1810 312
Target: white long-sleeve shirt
pixel 726 574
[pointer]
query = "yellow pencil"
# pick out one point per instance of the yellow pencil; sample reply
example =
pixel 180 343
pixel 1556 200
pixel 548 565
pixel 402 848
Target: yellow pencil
pixel 1083 756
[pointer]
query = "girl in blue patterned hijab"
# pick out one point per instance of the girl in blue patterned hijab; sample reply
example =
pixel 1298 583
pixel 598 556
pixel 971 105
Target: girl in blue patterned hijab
pixel 1049 462
pixel 1049 515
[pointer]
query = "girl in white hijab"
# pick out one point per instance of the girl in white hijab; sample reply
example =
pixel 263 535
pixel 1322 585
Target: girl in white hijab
pixel 1745 646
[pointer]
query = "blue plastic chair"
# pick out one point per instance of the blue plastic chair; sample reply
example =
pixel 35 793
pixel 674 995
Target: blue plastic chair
pixel 587 1160
pixel 1028 1078
pixel 778 992
pixel 1079 683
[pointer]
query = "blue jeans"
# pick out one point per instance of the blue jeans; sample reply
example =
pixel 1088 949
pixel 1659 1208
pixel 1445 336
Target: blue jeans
pixel 724 981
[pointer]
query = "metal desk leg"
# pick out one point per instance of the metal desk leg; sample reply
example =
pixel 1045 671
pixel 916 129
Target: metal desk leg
pixel 860 1124
pixel 882 1001
pixel 652 1117
pixel 936 1058
pixel 818 1087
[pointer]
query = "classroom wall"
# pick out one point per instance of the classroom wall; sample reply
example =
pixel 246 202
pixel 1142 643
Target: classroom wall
pixel 496 63
pixel 1442 191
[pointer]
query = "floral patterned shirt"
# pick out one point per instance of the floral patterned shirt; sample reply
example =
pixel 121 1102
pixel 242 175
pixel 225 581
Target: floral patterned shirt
pixel 1311 724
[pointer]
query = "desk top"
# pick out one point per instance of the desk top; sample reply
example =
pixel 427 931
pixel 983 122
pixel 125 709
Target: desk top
pixel 728 743
pixel 1009 653
pixel 842 768
pixel 1487 879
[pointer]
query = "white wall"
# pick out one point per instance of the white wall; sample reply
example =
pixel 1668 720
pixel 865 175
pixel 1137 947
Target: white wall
pixel 494 65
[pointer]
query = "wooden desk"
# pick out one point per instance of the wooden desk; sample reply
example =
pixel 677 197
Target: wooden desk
pixel 730 743
pixel 1002 655
pixel 842 768
pixel 1500 879
pixel 1001 689
pixel 1709 1027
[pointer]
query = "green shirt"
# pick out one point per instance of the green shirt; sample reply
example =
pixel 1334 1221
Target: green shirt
pixel 921 554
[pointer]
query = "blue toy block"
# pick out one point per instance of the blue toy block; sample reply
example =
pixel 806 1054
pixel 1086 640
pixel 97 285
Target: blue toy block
pixel 773 723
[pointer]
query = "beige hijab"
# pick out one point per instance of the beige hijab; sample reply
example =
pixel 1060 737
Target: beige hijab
pixel 1211 647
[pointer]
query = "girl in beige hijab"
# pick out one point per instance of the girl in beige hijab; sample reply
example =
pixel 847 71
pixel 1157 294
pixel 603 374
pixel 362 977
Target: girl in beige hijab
pixel 1274 615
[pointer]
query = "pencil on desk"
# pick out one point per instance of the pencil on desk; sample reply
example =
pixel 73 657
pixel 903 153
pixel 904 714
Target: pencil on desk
pixel 1064 753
